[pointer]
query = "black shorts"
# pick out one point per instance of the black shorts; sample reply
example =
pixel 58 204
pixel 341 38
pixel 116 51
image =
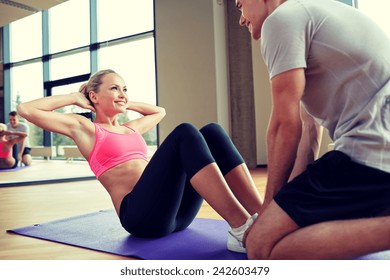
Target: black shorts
pixel 335 188
pixel 26 151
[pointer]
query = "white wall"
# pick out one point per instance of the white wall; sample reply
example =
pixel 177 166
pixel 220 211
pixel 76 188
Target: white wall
pixel 262 101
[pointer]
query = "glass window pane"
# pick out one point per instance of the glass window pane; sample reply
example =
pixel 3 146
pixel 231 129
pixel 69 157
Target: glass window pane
pixel 378 11
pixel 69 65
pixel 69 25
pixel 120 18
pixel 22 46
pixel 134 61
pixel 27 84
pixel 67 89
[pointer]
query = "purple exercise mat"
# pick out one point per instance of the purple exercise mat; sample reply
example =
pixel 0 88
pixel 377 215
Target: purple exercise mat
pixel 17 168
pixel 204 239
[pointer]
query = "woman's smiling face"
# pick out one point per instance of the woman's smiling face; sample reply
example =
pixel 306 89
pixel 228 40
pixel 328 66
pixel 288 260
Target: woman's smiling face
pixel 113 92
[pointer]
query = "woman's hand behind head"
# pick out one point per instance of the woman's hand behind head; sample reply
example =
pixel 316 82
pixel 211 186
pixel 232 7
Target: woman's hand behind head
pixel 82 101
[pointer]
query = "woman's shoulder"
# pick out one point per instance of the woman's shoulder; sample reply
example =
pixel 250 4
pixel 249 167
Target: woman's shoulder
pixel 83 120
pixel 84 130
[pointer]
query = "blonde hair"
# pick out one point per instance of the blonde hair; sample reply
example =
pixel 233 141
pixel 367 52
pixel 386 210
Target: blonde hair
pixel 3 127
pixel 95 81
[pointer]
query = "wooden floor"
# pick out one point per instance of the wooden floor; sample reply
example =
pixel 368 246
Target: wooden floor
pixel 46 171
pixel 47 200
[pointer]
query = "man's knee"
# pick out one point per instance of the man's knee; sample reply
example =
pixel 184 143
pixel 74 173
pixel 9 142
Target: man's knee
pixel 256 249
pixel 27 159
pixel 271 227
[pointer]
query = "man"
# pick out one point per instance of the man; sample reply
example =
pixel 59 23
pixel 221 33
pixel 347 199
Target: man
pixel 24 147
pixel 329 60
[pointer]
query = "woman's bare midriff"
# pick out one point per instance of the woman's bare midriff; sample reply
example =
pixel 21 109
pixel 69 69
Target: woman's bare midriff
pixel 121 179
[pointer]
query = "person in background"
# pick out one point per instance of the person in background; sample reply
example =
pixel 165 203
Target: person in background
pixel 24 148
pixel 9 148
pixel 329 65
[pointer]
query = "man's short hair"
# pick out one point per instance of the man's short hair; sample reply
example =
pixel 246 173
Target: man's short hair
pixel 13 113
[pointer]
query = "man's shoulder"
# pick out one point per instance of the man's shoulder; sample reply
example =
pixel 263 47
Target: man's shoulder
pixel 22 124
pixel 21 127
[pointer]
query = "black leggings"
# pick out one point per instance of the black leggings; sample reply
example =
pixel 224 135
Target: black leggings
pixel 163 201
pixel 15 154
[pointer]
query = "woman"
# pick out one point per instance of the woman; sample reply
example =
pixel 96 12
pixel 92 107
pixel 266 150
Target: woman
pixel 157 197
pixel 9 153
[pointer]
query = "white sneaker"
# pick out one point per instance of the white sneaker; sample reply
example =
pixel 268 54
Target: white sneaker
pixel 236 235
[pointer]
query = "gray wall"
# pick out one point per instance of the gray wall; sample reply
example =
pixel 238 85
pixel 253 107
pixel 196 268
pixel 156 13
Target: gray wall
pixel 192 77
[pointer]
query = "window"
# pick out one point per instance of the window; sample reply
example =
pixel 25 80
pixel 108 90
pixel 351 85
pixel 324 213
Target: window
pixel 70 64
pixel 26 47
pixel 120 18
pixel 69 25
pixel 27 84
pixel 378 11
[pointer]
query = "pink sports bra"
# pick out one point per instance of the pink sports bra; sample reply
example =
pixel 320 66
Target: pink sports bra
pixel 2 153
pixel 112 148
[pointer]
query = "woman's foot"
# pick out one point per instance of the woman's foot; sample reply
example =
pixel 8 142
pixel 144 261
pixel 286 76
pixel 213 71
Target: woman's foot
pixel 236 235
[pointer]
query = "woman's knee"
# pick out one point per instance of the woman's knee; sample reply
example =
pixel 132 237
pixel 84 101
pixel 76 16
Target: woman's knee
pixel 188 133
pixel 185 128
pixel 211 129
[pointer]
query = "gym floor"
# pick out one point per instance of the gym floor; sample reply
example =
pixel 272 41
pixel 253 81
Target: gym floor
pixel 52 190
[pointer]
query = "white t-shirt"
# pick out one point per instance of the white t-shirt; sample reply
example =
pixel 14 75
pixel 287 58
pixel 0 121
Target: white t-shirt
pixel 22 127
pixel 346 58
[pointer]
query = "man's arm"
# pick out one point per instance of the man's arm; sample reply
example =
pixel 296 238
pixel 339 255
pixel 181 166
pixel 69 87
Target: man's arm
pixel 17 136
pixel 23 128
pixel 284 130
pixel 21 149
pixel 309 145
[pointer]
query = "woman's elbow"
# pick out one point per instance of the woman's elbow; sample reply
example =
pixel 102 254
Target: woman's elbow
pixel 163 112
pixel 22 110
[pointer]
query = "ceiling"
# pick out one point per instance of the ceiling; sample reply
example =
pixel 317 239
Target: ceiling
pixel 14 10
